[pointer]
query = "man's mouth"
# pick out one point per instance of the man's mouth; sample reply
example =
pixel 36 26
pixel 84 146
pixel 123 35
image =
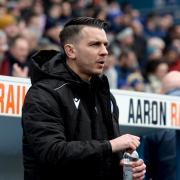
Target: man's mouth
pixel 101 62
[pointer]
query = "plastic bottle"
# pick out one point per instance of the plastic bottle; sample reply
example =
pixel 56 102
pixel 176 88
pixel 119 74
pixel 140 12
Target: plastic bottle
pixel 128 158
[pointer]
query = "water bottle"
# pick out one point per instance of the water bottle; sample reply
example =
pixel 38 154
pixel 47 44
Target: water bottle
pixel 128 158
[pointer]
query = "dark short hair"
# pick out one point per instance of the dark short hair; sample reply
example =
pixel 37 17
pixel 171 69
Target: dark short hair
pixel 73 27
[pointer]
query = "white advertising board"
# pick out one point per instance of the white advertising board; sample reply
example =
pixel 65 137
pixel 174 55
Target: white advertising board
pixel 147 110
pixel 12 93
pixel 136 109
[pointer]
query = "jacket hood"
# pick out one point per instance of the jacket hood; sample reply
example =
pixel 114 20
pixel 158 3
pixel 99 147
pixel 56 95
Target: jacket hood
pixel 50 64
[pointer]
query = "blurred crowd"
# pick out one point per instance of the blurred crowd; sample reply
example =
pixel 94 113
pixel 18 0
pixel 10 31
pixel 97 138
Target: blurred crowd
pixel 142 49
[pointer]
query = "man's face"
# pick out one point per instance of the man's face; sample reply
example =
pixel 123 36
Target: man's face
pixel 90 52
pixel 20 50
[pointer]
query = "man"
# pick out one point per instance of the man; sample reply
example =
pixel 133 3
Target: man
pixel 15 62
pixel 171 83
pixel 160 147
pixel 171 86
pixel 70 119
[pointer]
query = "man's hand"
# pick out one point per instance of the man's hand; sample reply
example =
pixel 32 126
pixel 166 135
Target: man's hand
pixel 138 169
pixel 19 72
pixel 123 142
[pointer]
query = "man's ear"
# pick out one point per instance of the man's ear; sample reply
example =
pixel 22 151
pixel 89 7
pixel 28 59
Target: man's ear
pixel 70 51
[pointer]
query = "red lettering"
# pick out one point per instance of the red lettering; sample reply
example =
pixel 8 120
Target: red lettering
pixel 2 97
pixel 18 100
pixel 10 100
pixel 173 114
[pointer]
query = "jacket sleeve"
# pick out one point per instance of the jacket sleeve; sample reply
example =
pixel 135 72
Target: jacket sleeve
pixel 44 131
pixel 115 117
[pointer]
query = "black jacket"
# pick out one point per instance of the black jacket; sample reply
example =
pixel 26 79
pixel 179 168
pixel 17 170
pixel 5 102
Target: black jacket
pixel 67 123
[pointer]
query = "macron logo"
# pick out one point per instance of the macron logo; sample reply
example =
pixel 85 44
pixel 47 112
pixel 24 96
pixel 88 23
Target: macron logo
pixel 76 102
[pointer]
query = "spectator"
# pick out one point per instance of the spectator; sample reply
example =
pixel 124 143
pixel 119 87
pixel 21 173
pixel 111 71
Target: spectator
pixel 110 71
pixel 33 38
pixel 51 31
pixel 155 71
pixel 37 9
pixel 140 43
pixel 135 82
pixel 171 83
pixel 54 13
pixel 160 147
pixel 173 33
pixel 128 71
pixel 66 12
pixel 172 57
pixel 15 62
pixel 155 47
pixel 9 25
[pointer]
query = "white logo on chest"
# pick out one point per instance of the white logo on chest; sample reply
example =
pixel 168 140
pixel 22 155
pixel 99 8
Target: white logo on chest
pixel 76 102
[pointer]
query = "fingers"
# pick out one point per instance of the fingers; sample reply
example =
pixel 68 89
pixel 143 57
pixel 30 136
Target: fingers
pixel 138 169
pixel 133 142
pixel 15 65
pixel 19 72
pixel 123 142
pixel 121 162
pixel 139 176
pixel 138 166
pixel 26 69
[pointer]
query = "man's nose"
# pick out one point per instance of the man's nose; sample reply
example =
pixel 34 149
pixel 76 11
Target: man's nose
pixel 103 50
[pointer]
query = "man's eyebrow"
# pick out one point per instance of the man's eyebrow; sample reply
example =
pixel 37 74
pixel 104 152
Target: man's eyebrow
pixel 98 41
